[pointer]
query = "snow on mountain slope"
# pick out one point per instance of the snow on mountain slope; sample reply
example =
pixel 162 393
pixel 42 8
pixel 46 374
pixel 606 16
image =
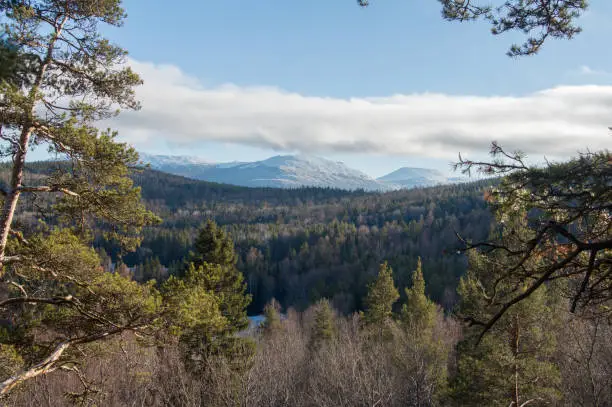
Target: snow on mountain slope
pixel 407 177
pixel 157 161
pixel 294 171
pixel 283 171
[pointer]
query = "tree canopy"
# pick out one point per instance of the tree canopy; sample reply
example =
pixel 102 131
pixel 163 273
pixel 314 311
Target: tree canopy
pixel 382 294
pixel 538 20
pixel 58 75
pixel 553 223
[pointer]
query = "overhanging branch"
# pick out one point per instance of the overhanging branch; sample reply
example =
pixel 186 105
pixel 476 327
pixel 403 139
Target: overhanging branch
pixel 48 189
pixel 49 364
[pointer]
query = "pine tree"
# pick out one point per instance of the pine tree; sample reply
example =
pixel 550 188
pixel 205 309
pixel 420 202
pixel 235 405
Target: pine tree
pixel 541 213
pixel 58 76
pixel 539 21
pixel 214 247
pixel 212 265
pixel 381 296
pixel 425 357
pixel 512 363
pixel 324 327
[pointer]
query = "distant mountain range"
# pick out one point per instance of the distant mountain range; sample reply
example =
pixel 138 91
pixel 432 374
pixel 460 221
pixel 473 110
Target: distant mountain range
pixel 293 171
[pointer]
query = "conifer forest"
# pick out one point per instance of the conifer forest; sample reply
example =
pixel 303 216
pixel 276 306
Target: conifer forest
pixel 121 285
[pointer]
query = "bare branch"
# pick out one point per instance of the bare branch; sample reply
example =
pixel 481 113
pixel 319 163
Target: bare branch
pixel 489 324
pixel 19 236
pixel 20 287
pixel 10 259
pixel 37 300
pixel 585 281
pixel 48 189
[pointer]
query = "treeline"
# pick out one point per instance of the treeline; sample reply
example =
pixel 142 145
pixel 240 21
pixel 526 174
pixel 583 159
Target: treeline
pixel 299 245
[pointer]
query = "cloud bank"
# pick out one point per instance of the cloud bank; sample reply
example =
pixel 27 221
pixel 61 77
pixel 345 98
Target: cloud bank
pixel 177 108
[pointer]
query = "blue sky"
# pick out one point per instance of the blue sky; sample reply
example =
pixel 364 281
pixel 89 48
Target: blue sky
pixel 326 51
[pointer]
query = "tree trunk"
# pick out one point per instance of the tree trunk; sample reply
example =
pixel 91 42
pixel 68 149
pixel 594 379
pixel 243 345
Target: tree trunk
pixel 12 195
pixel 516 353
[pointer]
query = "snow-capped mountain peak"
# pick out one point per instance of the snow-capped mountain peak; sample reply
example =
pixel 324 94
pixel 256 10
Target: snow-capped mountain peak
pixel 162 160
pixel 281 171
pixel 293 171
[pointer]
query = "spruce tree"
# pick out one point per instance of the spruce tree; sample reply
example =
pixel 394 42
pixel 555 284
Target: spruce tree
pixel 214 246
pixel 381 296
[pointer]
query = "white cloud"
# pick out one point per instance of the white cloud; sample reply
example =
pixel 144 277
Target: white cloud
pixel 555 122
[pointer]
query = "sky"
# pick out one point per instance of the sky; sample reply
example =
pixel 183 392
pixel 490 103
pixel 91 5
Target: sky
pixel 378 88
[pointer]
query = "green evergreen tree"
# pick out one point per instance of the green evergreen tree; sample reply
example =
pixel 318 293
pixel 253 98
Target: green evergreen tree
pixel 58 76
pixel 214 246
pixel 539 21
pixel 542 213
pixel 324 327
pixel 425 356
pixel 512 363
pixel 212 268
pixel 419 313
pixel 272 321
pixel 381 296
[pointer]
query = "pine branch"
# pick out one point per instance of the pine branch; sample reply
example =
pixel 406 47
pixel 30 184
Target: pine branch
pixel 48 189
pixel 50 363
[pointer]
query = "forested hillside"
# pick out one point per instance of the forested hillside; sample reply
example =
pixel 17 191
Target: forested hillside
pixel 122 286
pixel 300 245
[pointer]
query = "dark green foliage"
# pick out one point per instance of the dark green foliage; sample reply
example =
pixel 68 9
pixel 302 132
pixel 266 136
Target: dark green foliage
pixel 303 245
pixel 422 341
pixel 58 75
pixel 553 224
pixel 419 313
pixel 513 362
pixel 214 246
pixel 201 320
pixel 306 244
pixel 15 66
pixel 539 20
pixel 152 269
pixel 212 269
pixel 272 324
pixel 382 294
pixel 324 327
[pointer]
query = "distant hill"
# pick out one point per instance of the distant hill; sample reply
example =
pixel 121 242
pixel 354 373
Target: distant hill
pixel 408 177
pixel 282 171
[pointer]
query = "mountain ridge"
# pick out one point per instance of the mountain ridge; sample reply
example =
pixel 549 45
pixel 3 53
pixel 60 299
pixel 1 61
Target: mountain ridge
pixel 293 171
